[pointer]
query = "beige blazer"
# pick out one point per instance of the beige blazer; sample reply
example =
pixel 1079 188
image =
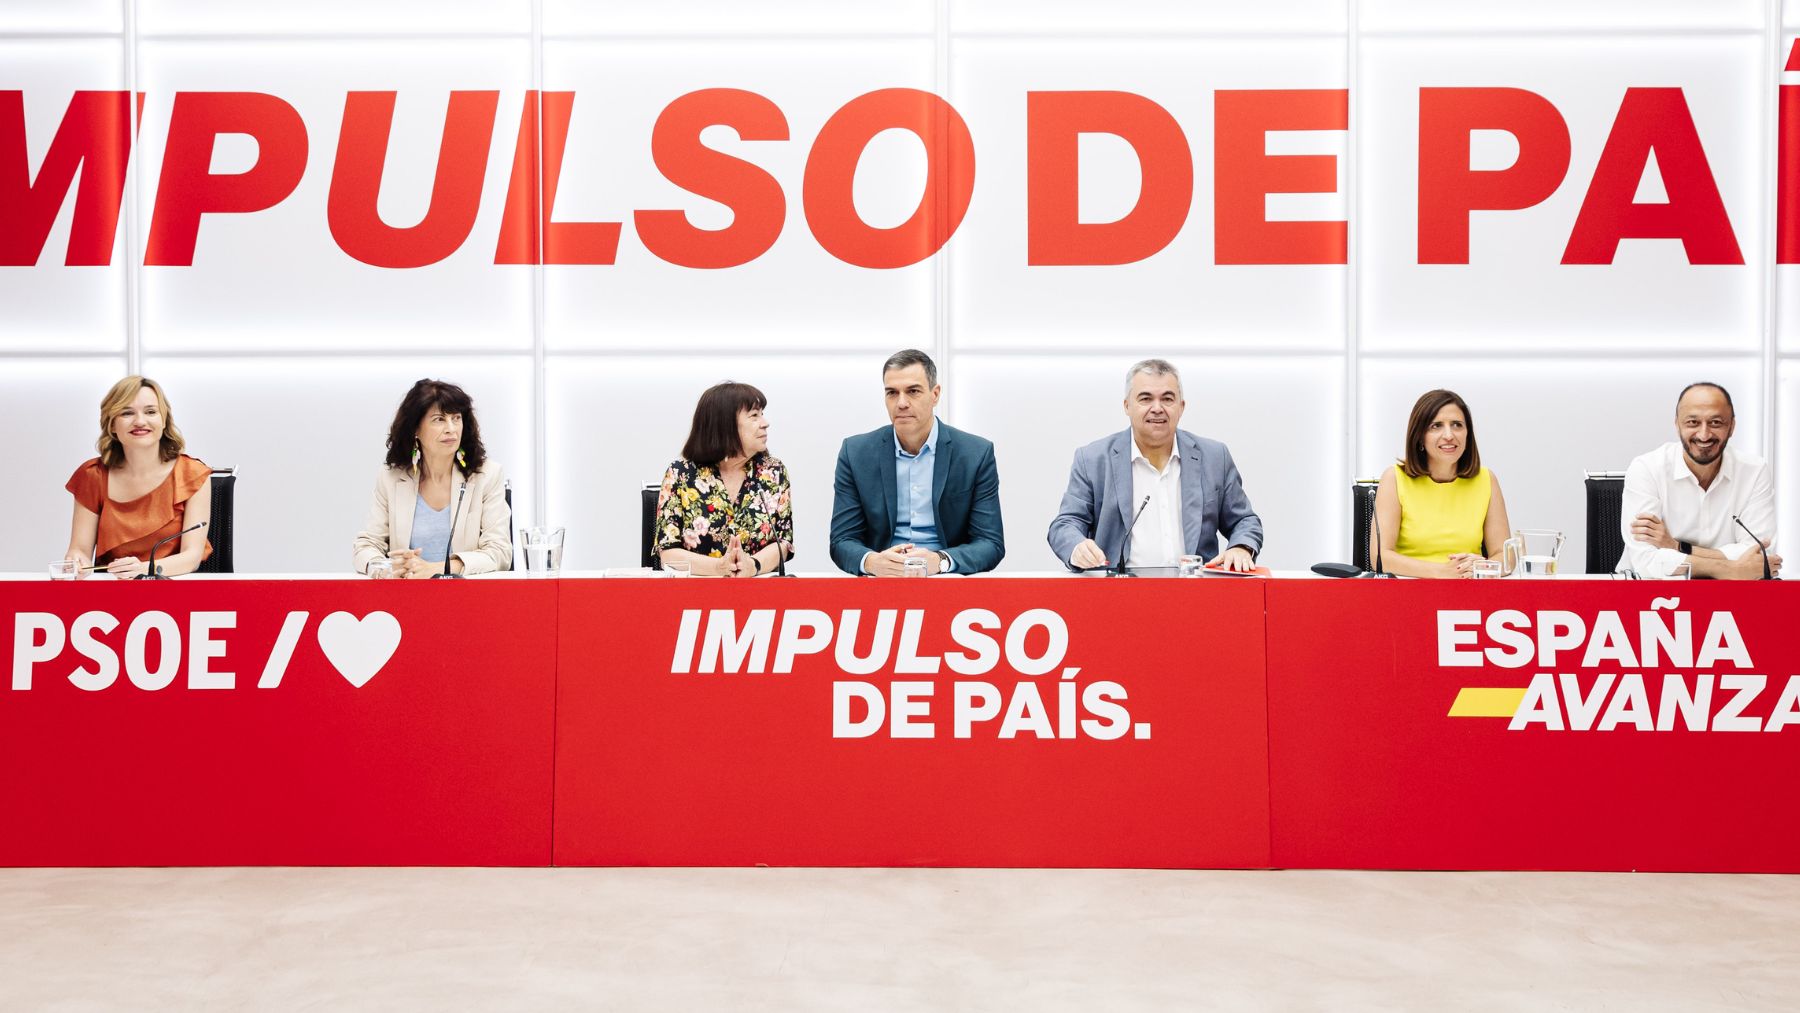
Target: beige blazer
pixel 481 536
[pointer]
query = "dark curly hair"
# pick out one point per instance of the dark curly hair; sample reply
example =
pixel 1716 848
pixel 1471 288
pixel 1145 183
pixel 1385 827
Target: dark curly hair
pixel 418 402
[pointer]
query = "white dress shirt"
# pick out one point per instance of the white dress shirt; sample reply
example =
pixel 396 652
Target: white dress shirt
pixel 1156 538
pixel 1659 483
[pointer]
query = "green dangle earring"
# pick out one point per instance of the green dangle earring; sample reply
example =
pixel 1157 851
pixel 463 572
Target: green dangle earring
pixel 415 461
pixel 461 461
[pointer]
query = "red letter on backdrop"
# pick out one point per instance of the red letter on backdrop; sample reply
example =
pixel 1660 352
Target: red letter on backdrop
pixel 1449 189
pixel 1054 123
pixel 758 207
pixel 831 172
pixel 1653 119
pixel 188 188
pixel 351 209
pixel 1244 174
pixel 1787 209
pixel 94 136
pixel 527 218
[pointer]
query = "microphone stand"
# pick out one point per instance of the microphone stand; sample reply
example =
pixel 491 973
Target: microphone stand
pixel 1125 548
pixel 454 514
pixel 152 573
pixel 1376 551
pixel 1760 547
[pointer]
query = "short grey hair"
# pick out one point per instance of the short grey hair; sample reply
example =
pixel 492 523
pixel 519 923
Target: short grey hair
pixel 1155 367
pixel 912 357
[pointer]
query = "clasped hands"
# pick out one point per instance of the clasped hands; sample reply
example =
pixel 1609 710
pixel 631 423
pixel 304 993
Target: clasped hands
pixel 124 567
pixel 409 565
pixel 1087 555
pixel 892 563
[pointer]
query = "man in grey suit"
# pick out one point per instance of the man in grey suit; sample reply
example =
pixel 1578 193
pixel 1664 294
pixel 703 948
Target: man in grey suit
pixel 916 489
pixel 1182 490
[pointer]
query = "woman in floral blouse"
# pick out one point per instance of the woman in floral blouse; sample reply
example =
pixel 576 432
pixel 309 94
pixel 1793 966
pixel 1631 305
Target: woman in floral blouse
pixel 725 505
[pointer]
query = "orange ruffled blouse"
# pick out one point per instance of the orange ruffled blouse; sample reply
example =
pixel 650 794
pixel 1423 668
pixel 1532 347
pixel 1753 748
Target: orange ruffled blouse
pixel 130 529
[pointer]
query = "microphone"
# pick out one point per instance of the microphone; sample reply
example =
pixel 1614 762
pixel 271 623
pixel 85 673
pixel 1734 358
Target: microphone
pixel 1125 548
pixel 1760 547
pixel 454 514
pixel 152 573
pixel 781 561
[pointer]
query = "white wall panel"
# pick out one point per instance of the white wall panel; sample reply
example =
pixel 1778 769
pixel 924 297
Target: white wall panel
pixel 796 295
pixel 54 405
pixel 308 436
pixel 1541 423
pixel 276 279
pixel 734 18
pixel 62 16
pixel 1177 298
pixel 1515 294
pixel 52 307
pixel 1787 474
pixel 346 17
pixel 1154 17
pixel 1423 16
pixel 1278 416
pixel 615 423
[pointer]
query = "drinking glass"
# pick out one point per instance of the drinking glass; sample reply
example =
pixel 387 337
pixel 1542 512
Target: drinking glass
pixel 1191 566
pixel 1485 569
pixel 678 568
pixel 1681 571
pixel 543 549
pixel 916 568
pixel 381 569
pixel 65 569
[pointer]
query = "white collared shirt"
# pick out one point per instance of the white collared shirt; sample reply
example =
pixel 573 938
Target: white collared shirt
pixel 1660 483
pixel 1156 538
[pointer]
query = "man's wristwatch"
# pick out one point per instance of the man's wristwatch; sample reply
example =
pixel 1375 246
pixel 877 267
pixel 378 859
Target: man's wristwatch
pixel 943 561
pixel 1687 548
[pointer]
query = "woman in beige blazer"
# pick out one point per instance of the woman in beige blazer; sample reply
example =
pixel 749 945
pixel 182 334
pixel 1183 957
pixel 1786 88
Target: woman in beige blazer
pixel 436 486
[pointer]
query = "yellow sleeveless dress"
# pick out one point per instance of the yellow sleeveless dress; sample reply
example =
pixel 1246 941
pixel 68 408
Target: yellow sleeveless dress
pixel 1441 518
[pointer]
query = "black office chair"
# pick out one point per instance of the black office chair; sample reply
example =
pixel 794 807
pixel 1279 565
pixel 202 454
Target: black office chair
pixel 218 529
pixel 510 543
pixel 1362 508
pixel 647 504
pixel 1605 502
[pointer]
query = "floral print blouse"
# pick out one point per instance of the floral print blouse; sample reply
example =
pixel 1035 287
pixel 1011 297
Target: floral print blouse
pixel 696 512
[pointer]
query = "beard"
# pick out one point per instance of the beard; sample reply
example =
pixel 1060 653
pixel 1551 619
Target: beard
pixel 1717 451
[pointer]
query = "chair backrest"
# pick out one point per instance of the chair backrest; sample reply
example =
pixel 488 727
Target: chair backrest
pixel 647 497
pixel 1605 501
pixel 1362 508
pixel 219 528
pixel 510 543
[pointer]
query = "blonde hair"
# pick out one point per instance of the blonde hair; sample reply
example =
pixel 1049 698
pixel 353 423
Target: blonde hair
pixel 114 404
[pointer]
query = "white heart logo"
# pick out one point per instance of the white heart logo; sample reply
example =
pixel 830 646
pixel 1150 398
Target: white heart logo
pixel 358 648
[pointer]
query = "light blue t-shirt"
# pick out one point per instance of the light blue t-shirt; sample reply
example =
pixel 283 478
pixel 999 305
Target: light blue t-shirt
pixel 430 531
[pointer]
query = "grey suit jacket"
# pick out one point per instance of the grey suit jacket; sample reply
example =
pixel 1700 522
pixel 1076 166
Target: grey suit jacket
pixel 965 495
pixel 1099 503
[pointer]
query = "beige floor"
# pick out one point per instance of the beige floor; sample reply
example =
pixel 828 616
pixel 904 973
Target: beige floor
pixel 335 939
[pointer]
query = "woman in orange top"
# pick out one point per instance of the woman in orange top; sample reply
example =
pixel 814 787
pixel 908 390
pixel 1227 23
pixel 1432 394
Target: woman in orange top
pixel 140 490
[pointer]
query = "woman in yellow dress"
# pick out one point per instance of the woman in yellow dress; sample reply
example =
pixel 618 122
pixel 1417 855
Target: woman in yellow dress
pixel 1437 509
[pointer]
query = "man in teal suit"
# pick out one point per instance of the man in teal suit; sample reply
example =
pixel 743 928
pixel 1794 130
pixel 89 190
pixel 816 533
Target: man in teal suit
pixel 916 489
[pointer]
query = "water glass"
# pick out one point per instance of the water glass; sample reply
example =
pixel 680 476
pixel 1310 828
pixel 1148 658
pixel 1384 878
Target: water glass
pixel 678 568
pixel 65 569
pixel 543 548
pixel 1191 566
pixel 1681 571
pixel 381 569
pixel 916 568
pixel 1485 569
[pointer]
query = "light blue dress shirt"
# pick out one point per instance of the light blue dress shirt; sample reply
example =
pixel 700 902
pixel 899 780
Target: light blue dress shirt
pixel 915 518
pixel 430 531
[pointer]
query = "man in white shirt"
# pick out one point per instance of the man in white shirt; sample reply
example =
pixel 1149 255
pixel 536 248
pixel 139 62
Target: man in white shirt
pixel 1698 501
pixel 1154 492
